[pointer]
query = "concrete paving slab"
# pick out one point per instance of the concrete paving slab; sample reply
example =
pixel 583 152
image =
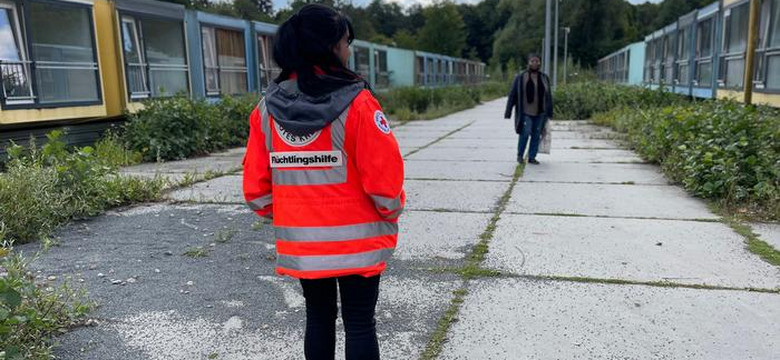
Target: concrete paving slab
pixel 592 156
pixel 768 232
pixel 584 144
pixel 450 142
pixel 551 171
pixel 607 200
pixel 524 319
pixel 428 235
pixel 452 170
pixel 235 153
pixel 225 189
pixel 228 303
pixel 413 143
pixel 224 163
pixel 454 154
pixel 427 132
pixel 170 178
pixel 685 252
pixel 426 136
pixel 604 134
pixel 479 196
pixel 484 134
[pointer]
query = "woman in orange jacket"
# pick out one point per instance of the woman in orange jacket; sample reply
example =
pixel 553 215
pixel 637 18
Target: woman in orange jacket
pixel 322 162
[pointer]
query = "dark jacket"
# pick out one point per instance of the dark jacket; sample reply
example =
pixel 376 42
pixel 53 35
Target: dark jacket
pixel 516 94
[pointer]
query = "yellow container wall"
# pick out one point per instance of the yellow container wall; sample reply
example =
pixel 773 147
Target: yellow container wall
pixel 112 83
pixel 8 117
pixel 731 94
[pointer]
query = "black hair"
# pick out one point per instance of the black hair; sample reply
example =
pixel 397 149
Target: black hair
pixel 305 41
pixel 533 55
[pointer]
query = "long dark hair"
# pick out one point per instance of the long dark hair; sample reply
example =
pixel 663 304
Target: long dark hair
pixel 307 40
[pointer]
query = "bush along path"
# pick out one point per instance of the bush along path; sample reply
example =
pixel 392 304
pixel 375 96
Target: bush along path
pixel 592 247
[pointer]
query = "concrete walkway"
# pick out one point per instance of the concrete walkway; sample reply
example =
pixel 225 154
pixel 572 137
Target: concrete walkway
pixel 600 259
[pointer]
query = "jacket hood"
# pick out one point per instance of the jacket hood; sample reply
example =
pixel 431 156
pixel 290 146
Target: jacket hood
pixel 301 114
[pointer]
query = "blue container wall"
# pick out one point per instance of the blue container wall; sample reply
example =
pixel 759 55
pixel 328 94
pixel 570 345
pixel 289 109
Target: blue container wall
pixel 197 19
pixel 636 63
pixel 196 54
pixel 400 64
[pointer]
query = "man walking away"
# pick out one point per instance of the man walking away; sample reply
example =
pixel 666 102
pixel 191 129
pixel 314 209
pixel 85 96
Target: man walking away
pixel 530 93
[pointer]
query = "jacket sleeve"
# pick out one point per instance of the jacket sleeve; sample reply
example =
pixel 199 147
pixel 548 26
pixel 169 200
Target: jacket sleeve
pixel 257 170
pixel 512 100
pixel 379 161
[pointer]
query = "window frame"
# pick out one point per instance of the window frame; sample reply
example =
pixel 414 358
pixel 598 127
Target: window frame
pixel 24 61
pixel 265 42
pixel 700 59
pixel 219 65
pixel 24 15
pixel 766 52
pixel 138 21
pixel 725 56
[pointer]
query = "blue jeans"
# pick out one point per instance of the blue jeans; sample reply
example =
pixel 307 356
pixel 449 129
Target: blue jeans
pixel 532 127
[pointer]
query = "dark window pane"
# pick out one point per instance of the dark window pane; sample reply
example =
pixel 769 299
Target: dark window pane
pixel 63 52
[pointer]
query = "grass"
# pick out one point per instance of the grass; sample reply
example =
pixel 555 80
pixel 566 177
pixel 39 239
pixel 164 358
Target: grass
pixel 439 337
pixel 224 236
pixel 752 241
pixel 197 252
pixel 663 284
pixel 33 313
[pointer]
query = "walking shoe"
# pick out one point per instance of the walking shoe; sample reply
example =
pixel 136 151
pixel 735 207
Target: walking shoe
pixel 533 161
pixel 520 160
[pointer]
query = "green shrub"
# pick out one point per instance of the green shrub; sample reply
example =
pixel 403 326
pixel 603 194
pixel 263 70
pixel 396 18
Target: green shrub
pixel 719 150
pixel 31 313
pixel 411 103
pixel 579 101
pixel 178 127
pixel 44 187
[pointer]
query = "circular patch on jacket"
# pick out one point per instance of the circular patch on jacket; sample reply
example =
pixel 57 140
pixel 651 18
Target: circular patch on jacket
pixel 381 122
pixel 296 140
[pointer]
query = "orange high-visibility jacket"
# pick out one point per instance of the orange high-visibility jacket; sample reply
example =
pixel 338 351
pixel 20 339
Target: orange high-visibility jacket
pixel 334 195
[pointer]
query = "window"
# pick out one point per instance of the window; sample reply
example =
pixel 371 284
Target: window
pixel 136 69
pixel 431 73
pixel 419 66
pixel 14 64
pixel 668 65
pixel 66 68
pixel 382 74
pixel 683 56
pixel 155 65
pixel 269 70
pixel 770 55
pixel 362 62
pixel 166 55
pixel 649 57
pixel 658 56
pixel 224 61
pixel 704 46
pixel 734 45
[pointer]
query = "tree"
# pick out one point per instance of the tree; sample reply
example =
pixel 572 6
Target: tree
pixel 405 39
pixel 444 31
pixel 253 10
pixel 483 21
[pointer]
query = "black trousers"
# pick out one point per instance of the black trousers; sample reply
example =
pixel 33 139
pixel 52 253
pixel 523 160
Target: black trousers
pixel 358 303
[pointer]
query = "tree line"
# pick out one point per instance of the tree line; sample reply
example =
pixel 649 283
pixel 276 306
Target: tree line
pixel 498 32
